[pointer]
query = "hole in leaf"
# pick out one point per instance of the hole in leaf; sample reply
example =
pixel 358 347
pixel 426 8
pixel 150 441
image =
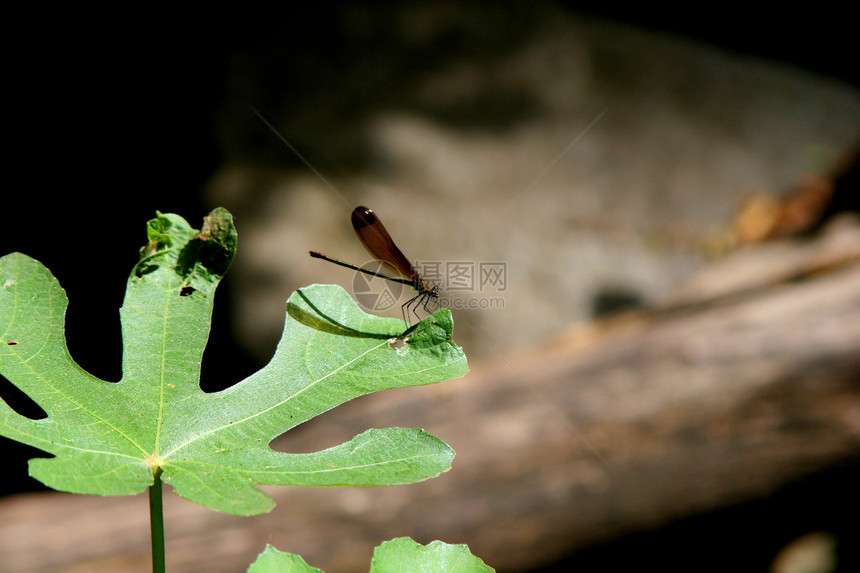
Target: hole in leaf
pixel 225 361
pixel 315 436
pixel 19 401
pixel 93 333
pixel 15 456
pixel 186 290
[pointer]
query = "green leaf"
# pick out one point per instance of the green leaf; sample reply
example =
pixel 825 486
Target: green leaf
pixel 404 554
pixel 273 561
pixel 401 555
pixel 110 438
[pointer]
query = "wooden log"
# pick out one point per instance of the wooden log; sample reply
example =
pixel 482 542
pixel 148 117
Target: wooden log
pixel 626 424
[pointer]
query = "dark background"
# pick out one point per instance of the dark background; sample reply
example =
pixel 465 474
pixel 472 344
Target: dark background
pixel 109 117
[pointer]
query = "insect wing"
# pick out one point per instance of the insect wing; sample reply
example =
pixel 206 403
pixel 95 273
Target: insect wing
pixel 378 242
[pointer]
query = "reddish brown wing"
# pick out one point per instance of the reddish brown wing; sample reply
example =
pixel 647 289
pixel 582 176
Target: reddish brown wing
pixel 378 242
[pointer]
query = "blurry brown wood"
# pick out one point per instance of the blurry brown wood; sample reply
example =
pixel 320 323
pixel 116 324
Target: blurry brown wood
pixel 747 380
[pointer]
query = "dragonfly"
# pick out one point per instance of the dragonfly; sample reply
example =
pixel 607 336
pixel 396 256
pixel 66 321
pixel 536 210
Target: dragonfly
pixel 375 238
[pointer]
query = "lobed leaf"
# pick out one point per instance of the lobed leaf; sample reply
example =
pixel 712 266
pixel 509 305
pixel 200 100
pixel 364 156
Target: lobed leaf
pixel 273 561
pixel 405 554
pixel 213 448
pixel 399 555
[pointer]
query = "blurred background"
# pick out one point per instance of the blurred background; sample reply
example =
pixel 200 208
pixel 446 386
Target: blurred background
pixel 596 160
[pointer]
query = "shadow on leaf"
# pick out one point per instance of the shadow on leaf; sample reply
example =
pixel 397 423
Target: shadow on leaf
pixel 319 320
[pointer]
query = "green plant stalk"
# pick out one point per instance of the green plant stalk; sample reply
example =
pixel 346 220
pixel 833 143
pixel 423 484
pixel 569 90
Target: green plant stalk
pixel 156 521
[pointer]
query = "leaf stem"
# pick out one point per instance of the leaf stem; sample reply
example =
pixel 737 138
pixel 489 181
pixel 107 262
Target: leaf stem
pixel 156 520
